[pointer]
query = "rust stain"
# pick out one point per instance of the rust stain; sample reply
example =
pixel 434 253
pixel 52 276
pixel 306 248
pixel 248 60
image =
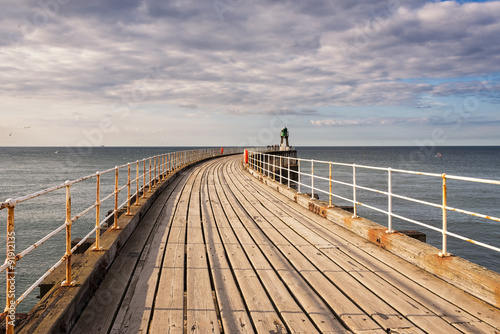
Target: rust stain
pixel 313 207
pixel 497 296
pixel 348 223
pixel 379 237
pixel 295 198
pixel 323 211
pixel 439 264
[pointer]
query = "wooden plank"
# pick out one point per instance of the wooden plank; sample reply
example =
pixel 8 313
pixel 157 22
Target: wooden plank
pixel 261 309
pixel 295 318
pixel 200 304
pixel 201 314
pixel 168 311
pixel 233 313
pixel 317 309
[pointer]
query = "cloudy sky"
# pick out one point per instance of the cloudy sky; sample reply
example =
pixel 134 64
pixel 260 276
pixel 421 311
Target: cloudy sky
pixel 233 72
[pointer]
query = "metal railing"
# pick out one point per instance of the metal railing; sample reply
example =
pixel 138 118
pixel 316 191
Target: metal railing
pixel 272 166
pixel 148 173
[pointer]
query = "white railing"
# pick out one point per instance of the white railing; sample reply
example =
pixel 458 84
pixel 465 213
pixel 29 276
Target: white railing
pixel 276 168
pixel 148 172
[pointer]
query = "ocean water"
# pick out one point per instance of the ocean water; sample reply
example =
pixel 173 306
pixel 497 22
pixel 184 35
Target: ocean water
pixel 29 169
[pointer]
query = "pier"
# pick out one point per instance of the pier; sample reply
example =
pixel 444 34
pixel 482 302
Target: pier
pixel 220 247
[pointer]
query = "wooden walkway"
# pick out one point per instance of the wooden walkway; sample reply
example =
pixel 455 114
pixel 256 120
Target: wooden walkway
pixel 221 252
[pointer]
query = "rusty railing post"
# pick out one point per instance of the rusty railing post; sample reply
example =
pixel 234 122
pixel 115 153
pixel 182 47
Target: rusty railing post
pixel 144 178
pixel 137 183
pixel 128 191
pixel 164 166
pixel 389 201
pixel 115 223
pixel 169 164
pixel 149 176
pixel 68 281
pixel 97 247
pixel 161 167
pixel 10 300
pixel 155 169
pixel 445 219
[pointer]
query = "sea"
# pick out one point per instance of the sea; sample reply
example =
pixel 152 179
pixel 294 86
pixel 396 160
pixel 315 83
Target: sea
pixel 24 170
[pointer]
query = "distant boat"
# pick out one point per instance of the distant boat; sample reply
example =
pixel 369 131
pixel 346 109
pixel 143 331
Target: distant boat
pixel 56 152
pixel 438 155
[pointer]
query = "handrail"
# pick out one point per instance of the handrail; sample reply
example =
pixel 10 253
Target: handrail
pixel 270 166
pixel 160 166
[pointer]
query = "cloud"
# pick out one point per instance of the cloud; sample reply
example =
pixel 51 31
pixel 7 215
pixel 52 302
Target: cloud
pixel 189 106
pixel 290 57
pixel 377 121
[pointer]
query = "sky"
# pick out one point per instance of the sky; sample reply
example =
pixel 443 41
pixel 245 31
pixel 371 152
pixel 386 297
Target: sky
pixel 234 72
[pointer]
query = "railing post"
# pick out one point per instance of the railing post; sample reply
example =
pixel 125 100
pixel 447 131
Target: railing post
pixel 155 167
pixel 115 220
pixel 149 184
pixel 389 201
pixel 137 183
pixel 288 174
pixel 163 166
pixel 160 167
pixel 281 169
pixel 354 199
pixel 298 177
pixel 128 191
pixel 330 186
pixel 144 178
pixel 10 300
pixel 312 179
pixel 268 165
pixel 97 246
pixel 445 219
pixel 265 164
pixel 274 168
pixel 68 281
pixel 260 162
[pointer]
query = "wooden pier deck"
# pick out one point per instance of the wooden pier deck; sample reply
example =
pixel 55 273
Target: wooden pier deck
pixel 221 252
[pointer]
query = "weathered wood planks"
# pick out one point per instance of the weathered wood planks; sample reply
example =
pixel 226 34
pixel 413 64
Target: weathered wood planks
pixel 231 255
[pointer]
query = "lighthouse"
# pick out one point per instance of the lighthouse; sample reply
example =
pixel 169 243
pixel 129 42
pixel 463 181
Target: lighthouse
pixel 284 146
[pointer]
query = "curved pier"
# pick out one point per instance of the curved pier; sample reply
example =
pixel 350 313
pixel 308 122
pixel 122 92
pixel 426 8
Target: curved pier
pixel 219 251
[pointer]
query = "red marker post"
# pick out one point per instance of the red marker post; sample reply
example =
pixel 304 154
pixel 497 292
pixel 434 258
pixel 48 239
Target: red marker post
pixel 246 157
